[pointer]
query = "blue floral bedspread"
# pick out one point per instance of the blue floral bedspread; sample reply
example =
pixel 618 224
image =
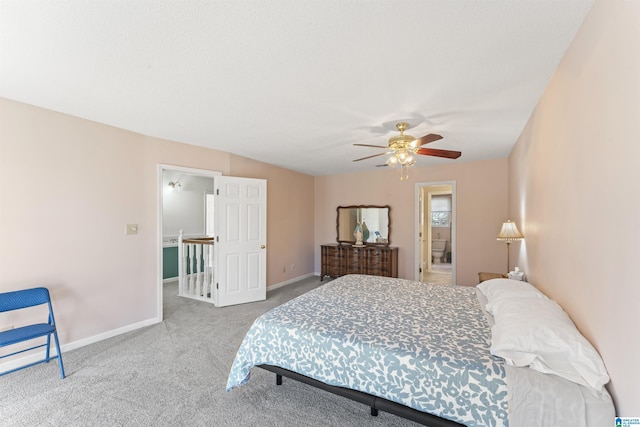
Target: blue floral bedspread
pixel 424 346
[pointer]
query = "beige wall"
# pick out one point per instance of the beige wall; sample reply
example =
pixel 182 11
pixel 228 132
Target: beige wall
pixel 68 186
pixel 481 209
pixel 575 172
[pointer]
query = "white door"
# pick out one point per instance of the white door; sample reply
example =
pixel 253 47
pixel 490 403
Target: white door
pixel 241 238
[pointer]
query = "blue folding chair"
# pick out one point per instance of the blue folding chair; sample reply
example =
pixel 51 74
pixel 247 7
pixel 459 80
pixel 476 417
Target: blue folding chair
pixel 23 299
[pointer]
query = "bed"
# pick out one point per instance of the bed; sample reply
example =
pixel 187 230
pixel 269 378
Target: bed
pixel 417 350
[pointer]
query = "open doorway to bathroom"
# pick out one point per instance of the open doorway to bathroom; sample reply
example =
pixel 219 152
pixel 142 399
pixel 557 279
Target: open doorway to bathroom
pixel 436 232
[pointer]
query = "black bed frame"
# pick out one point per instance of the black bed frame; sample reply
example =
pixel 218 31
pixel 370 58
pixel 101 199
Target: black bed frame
pixel 374 402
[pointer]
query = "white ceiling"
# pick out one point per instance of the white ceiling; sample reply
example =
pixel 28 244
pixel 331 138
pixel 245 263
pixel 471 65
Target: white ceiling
pixel 292 82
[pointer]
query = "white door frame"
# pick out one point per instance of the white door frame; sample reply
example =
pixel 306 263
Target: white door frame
pixel 417 251
pixel 161 169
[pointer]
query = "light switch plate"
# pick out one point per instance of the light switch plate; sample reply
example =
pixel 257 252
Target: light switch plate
pixel 131 229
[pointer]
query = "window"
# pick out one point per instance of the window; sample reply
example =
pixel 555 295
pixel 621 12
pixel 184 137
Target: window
pixel 440 211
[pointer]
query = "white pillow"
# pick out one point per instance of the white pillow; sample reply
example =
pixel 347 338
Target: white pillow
pixel 498 289
pixel 536 332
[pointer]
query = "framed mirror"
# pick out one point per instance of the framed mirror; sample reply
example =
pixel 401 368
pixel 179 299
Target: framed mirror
pixel 375 222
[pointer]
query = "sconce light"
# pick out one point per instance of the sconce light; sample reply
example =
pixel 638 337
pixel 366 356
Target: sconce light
pixel 175 186
pixel 509 233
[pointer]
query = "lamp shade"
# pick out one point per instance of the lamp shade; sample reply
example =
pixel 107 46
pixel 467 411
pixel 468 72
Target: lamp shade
pixel 509 232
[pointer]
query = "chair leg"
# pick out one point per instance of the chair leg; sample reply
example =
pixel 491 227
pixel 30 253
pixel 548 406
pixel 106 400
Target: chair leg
pixel 48 348
pixel 55 336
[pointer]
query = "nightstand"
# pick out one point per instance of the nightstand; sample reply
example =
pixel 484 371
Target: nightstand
pixel 482 276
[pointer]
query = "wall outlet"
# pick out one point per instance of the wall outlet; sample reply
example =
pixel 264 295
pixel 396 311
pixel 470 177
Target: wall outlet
pixel 131 229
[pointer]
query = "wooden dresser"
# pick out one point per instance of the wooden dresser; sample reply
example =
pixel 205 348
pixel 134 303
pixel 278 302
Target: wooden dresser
pixel 338 260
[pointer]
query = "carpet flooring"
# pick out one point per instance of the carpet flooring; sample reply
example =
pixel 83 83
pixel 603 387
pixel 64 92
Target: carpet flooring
pixel 174 374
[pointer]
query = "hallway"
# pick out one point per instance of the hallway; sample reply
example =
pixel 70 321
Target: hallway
pixel 440 274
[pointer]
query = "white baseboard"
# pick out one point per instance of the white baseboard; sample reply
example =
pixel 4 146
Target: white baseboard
pixel 290 281
pixel 39 355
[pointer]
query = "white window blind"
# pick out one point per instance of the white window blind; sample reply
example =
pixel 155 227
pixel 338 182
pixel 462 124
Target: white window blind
pixel 440 211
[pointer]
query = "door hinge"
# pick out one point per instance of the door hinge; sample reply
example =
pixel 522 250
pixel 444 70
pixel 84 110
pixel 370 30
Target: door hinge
pixel 217 287
pixel 217 191
pixel 217 239
pixel 420 270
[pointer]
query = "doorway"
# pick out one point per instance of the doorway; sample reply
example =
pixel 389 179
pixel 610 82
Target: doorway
pixel 188 187
pixel 435 204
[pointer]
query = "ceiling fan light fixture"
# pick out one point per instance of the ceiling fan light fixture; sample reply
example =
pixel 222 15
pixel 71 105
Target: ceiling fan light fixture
pixel 402 150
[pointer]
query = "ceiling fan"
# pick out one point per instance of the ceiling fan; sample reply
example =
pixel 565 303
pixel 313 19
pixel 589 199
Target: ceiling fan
pixel 403 148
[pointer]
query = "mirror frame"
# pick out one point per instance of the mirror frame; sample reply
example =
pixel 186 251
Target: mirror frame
pixel 387 243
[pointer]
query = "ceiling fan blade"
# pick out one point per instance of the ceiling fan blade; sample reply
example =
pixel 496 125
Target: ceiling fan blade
pixel 374 146
pixel 448 154
pixel 368 157
pixel 428 138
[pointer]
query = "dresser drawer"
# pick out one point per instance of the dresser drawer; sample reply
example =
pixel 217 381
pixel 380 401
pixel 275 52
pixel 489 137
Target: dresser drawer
pixel 338 260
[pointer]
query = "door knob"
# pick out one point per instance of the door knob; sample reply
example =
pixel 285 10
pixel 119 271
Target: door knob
pixel 262 246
